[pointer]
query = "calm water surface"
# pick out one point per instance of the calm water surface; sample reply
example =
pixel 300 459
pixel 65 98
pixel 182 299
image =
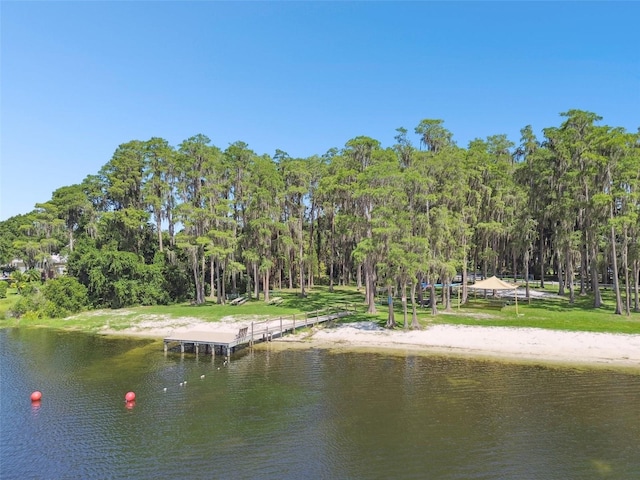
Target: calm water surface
pixel 304 414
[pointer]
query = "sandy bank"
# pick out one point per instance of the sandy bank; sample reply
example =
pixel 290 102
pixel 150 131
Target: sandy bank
pixel 520 344
pixel 523 344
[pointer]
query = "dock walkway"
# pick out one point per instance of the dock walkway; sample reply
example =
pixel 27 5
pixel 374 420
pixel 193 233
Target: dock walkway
pixel 265 330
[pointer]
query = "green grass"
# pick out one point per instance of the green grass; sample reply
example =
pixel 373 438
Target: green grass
pixel 549 313
pixel 7 303
pixel 292 304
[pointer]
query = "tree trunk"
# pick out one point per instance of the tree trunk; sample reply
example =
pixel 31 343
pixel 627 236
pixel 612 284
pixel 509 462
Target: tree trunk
pixel 331 264
pixel 560 272
pixel 256 281
pixel 196 276
pixel 465 290
pixel 266 285
pixel 302 281
pixel 595 278
pixel 404 305
pixel 414 313
pixel 249 286
pixel 391 319
pixel 234 282
pixel 291 262
pixel 219 296
pixel 223 292
pixel 526 275
pixel 370 288
pixel 625 268
pixel 614 258
pixel 171 227
pixel 202 276
pixel 584 265
pixel 446 287
pixel 569 277
pixel 212 278
pixel 158 216
pixel 311 244
pixel 636 287
pixel 332 253
pixel 433 298
pixel 541 257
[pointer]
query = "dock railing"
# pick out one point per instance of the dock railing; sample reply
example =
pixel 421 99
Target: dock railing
pixel 265 330
pixel 261 331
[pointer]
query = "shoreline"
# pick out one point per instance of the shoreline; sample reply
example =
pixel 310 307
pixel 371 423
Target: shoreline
pixel 508 344
pixel 526 345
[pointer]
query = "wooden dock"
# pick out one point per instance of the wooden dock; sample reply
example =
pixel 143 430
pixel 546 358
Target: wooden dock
pixel 263 331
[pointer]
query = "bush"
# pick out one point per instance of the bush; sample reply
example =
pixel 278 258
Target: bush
pixel 3 289
pixel 28 306
pixel 51 310
pixel 31 315
pixel 64 295
pixel 19 308
pixel 29 289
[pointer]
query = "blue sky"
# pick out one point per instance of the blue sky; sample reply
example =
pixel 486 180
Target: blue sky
pixel 80 78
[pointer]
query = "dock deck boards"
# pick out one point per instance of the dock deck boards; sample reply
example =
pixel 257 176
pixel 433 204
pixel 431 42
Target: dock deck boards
pixel 248 334
pixel 203 337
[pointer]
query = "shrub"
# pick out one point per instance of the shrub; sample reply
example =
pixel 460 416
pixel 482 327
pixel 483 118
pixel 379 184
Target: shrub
pixel 31 315
pixel 29 289
pixel 51 310
pixel 64 295
pixel 3 289
pixel 19 308
pixel 28 306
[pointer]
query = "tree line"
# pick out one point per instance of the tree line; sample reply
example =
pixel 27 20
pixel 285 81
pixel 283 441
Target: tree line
pixel 161 223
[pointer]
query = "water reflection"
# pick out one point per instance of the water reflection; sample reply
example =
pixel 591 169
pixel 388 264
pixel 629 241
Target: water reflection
pixel 304 414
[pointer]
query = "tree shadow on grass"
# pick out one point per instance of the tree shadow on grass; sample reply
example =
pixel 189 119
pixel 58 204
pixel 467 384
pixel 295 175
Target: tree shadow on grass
pixel 321 297
pixel 581 303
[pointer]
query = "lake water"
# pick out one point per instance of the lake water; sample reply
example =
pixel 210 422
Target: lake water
pixel 304 414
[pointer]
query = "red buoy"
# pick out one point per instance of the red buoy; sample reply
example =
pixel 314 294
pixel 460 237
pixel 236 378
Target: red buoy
pixel 36 396
pixel 130 397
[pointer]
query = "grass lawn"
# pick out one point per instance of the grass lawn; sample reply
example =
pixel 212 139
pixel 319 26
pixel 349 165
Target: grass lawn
pixel 550 313
pixel 6 303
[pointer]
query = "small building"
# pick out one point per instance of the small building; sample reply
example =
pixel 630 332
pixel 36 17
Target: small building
pixel 55 265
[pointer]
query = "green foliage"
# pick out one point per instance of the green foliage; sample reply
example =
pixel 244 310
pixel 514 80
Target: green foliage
pixel 394 217
pixel 31 305
pixel 65 295
pixel 18 280
pixel 33 275
pixel 8 302
pixel 9 233
pixel 118 279
pixel 433 135
pixel 3 289
pixel 29 289
pixel 174 280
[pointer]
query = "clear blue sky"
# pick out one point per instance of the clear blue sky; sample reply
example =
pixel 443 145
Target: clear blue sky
pixel 80 78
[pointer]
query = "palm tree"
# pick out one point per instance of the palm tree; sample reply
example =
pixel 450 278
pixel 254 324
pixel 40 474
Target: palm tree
pixel 18 280
pixel 33 275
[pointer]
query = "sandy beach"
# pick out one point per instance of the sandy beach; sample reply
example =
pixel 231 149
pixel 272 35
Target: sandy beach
pixel 520 344
pixel 505 343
